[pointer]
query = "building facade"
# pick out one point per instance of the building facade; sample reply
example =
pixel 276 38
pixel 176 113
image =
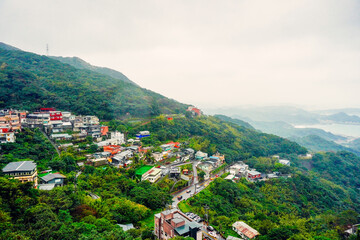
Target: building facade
pixel 171 223
pixel 24 171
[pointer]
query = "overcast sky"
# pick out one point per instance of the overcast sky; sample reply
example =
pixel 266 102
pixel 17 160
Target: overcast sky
pixel 207 53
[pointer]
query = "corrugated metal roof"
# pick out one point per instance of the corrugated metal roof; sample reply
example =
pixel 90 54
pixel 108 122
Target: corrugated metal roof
pixel 46 187
pixel 246 229
pixel 52 176
pixel 23 166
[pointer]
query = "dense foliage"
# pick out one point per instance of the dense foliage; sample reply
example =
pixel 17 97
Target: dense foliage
pixel 316 143
pixel 341 167
pixel 69 213
pixel 30 145
pixel 29 81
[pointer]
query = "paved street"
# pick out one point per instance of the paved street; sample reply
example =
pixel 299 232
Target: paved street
pixel 195 188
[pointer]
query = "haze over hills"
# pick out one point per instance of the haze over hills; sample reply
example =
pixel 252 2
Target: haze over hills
pixel 296 124
pixel 30 81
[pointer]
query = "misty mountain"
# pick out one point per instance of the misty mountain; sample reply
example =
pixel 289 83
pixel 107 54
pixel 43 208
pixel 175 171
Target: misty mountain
pixel 349 111
pixel 286 130
pixel 355 144
pixel 342 117
pixel 292 115
pixel 316 143
pixel 234 120
pixel 29 81
pixel 81 64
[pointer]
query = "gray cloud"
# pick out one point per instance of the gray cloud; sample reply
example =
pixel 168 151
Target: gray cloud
pixel 207 52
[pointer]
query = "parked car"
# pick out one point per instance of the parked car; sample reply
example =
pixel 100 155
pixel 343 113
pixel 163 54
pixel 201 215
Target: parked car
pixel 188 191
pixel 213 234
pixel 179 198
pixel 210 228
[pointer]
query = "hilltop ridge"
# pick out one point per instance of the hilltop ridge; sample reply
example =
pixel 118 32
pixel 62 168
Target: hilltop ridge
pixel 30 81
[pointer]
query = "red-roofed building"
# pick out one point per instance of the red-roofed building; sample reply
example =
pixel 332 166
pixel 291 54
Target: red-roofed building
pixel 113 149
pixel 54 115
pixel 195 111
pixel 175 144
pixel 104 130
pixel 244 230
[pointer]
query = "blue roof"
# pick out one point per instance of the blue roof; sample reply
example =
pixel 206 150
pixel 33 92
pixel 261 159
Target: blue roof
pixel 186 228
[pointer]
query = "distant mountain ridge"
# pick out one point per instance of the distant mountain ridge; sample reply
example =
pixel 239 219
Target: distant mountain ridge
pixel 81 64
pixel 342 117
pixel 316 143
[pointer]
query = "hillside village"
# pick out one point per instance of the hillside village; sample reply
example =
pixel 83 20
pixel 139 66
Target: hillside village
pixel 171 160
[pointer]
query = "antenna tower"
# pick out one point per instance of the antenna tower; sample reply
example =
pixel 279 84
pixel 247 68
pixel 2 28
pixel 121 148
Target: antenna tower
pixel 47 49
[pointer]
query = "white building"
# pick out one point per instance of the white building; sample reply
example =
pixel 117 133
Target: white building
pixel 6 136
pixel 152 175
pixel 239 168
pixel 284 162
pixel 201 155
pixel 116 138
pixel 157 156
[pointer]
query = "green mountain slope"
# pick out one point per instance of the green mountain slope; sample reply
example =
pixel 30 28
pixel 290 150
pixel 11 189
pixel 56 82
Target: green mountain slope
pixel 30 81
pixel 316 143
pixel 234 120
pixel 284 129
pixel 317 202
pixel 355 144
pixel 81 64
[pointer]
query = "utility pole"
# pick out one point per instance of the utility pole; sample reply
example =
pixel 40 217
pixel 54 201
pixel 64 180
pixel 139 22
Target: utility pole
pixel 207 213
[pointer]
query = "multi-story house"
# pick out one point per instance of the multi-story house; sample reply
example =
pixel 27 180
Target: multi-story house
pixel 10 119
pixel 253 175
pixel 24 171
pixel 9 123
pixel 90 120
pixel 6 136
pixel 171 223
pixel 37 119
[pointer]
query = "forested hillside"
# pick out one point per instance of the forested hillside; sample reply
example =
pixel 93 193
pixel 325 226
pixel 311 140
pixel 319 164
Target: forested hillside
pixel 30 81
pixel 69 213
pixel 316 144
pixel 319 201
pixel 301 207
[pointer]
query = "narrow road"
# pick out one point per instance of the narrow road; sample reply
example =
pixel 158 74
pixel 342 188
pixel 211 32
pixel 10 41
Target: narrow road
pixel 52 143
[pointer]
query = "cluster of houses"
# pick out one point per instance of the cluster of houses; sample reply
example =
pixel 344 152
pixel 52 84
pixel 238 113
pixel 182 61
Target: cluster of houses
pixel 25 171
pixel 54 123
pixel 242 170
pixel 208 164
pixel 10 124
pixel 172 149
pixel 171 223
